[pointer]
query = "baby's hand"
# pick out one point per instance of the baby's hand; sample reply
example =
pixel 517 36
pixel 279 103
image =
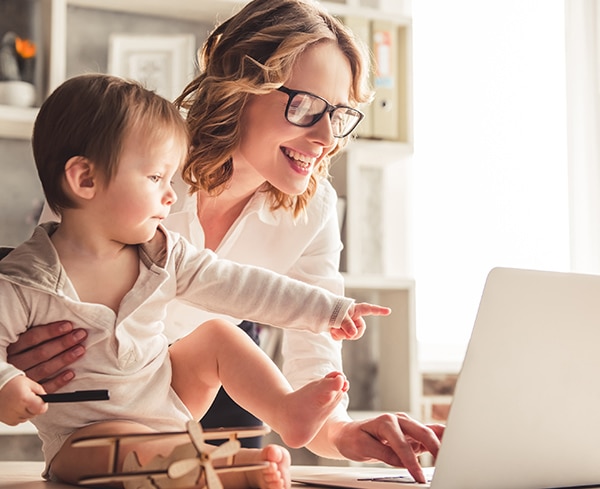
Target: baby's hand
pixel 353 325
pixel 19 401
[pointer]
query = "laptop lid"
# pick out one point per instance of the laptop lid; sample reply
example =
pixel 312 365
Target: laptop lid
pixel 525 412
pixel 526 403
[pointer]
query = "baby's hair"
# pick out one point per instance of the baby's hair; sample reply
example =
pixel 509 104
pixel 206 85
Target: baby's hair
pixel 90 116
pixel 253 53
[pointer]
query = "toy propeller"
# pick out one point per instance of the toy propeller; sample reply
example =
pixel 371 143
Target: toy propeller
pixel 181 467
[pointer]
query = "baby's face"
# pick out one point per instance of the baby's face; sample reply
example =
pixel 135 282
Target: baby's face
pixel 140 195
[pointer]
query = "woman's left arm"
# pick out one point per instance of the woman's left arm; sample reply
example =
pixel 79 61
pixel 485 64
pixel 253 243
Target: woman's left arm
pixel 395 439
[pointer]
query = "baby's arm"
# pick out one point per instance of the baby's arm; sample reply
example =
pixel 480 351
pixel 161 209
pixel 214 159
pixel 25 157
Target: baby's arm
pixel 18 394
pixel 260 295
pixel 19 400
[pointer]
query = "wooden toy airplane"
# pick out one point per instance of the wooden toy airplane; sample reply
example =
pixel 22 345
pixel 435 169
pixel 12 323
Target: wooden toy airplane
pixel 182 468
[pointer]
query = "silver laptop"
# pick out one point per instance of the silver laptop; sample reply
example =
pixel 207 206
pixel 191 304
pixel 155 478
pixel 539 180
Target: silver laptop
pixel 526 408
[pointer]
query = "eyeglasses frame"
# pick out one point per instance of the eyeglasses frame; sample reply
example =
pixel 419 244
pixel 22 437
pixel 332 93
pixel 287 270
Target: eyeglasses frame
pixel 329 108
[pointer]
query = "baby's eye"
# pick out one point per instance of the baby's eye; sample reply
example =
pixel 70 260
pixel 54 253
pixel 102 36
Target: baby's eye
pixel 154 178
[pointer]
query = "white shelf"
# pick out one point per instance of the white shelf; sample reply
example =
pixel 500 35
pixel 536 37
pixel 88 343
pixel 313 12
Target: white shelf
pixel 16 122
pixel 179 9
pixel 373 178
pixel 391 341
pixel 222 9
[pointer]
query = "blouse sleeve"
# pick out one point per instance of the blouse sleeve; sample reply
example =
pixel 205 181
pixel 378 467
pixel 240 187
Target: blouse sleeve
pixel 307 356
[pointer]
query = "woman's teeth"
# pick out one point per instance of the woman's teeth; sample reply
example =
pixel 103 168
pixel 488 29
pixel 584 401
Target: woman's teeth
pixel 301 160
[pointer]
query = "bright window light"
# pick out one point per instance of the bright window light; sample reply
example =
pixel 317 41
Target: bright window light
pixel 490 164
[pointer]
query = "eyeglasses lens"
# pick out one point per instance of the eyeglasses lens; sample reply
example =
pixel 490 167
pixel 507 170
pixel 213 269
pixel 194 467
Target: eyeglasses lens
pixel 305 110
pixel 343 121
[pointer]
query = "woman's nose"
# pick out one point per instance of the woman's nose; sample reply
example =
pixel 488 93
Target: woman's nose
pixel 323 132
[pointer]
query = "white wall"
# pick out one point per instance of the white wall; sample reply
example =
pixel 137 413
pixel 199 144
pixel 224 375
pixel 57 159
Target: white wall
pixel 490 161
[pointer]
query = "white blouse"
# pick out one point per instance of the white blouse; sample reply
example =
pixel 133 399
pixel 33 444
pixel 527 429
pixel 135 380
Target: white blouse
pixel 306 249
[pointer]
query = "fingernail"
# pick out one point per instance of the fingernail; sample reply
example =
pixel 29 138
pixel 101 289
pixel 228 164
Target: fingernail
pixel 65 327
pixel 79 334
pixel 78 351
pixel 69 375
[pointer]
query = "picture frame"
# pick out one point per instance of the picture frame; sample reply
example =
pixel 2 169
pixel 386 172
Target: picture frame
pixel 164 63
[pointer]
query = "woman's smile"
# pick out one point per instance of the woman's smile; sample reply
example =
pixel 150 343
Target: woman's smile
pixel 299 162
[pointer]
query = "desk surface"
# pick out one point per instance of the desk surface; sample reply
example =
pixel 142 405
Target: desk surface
pixel 27 475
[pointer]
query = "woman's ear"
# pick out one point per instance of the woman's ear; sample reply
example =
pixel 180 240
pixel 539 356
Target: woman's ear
pixel 80 178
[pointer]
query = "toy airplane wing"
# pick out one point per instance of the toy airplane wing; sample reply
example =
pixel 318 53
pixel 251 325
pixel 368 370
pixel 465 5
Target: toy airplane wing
pixel 124 439
pixel 149 474
pixel 239 432
pixel 209 434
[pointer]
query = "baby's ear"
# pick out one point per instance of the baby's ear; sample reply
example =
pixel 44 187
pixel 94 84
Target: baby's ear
pixel 80 178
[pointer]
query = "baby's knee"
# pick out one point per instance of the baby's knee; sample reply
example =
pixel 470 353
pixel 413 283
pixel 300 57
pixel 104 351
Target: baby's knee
pixel 208 331
pixel 220 329
pixel 217 325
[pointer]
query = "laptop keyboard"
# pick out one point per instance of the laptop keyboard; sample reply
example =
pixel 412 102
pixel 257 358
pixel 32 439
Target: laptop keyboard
pixel 396 479
pixel 402 479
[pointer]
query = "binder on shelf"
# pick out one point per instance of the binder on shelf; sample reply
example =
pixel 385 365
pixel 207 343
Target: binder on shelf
pixel 361 27
pixel 390 107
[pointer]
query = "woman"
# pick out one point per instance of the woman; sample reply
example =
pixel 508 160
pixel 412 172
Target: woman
pixel 276 97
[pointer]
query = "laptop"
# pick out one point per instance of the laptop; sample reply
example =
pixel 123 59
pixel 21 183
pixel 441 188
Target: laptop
pixel 526 408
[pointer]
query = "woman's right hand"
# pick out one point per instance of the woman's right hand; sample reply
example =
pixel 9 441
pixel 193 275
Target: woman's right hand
pixel 43 352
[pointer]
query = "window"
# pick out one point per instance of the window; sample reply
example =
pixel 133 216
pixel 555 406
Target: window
pixel 490 158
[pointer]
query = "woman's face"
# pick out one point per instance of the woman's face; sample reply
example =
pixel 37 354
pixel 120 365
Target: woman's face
pixel 274 150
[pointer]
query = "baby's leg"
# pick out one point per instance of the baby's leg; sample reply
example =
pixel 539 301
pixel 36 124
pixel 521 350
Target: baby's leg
pixel 218 353
pixel 276 475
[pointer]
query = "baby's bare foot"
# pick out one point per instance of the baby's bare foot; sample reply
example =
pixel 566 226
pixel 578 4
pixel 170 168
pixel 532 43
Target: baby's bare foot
pixel 303 412
pixel 276 475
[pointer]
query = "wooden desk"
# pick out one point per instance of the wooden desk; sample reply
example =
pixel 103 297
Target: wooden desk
pixel 26 475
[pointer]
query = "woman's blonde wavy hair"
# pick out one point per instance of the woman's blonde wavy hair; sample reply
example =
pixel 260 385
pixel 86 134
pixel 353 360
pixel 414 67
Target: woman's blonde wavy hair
pixel 253 53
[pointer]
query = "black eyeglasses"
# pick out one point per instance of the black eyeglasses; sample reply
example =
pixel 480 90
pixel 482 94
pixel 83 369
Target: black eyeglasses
pixel 305 109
